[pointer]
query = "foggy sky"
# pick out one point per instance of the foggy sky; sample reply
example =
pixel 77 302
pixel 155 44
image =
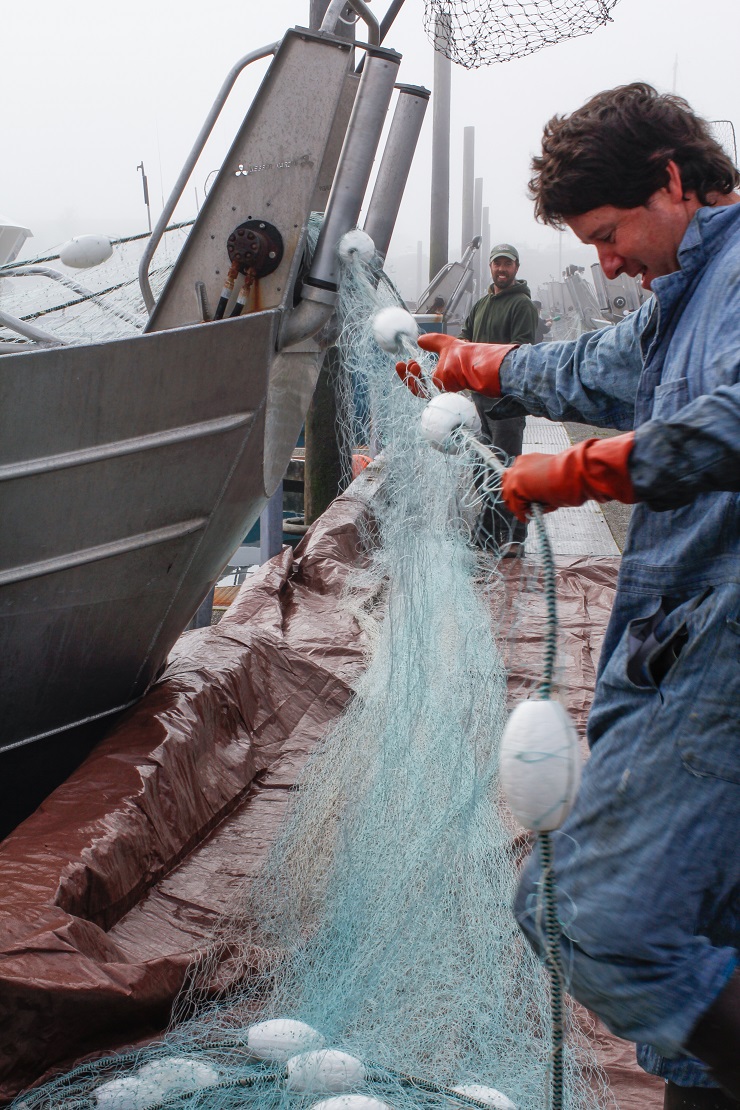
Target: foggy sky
pixel 90 89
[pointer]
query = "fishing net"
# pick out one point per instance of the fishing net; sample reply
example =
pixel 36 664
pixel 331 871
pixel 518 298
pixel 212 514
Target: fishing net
pixel 86 306
pixel 382 919
pixel 723 131
pixel 476 33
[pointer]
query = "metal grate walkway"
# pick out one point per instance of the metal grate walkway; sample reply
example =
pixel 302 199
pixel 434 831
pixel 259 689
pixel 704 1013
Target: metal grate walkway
pixel 581 531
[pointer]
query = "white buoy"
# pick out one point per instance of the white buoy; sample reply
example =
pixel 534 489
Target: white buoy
pixel 392 327
pixel 124 1094
pixel 489 1096
pixel 351 1102
pixel 356 243
pixel 445 415
pixel 280 1038
pixel 178 1073
pixel 325 1070
pixel 540 764
pixel 85 251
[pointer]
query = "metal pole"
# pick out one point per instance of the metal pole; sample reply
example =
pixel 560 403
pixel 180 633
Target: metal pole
pixel 478 228
pixel 353 171
pixel 317 11
pixel 339 10
pixel 145 185
pixel 271 526
pixel 395 165
pixel 204 613
pixel 322 472
pixel 485 249
pixel 468 187
pixel 439 222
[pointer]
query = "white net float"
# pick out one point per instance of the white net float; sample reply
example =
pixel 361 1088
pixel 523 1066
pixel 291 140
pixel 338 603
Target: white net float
pixel 128 1093
pixel 356 244
pixel 540 764
pixel 394 326
pixel 280 1038
pixel 178 1073
pixel 85 251
pixel 489 1096
pixel 325 1070
pixel 446 415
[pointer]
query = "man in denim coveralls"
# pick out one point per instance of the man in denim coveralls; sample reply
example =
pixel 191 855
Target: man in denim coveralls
pixel 647 865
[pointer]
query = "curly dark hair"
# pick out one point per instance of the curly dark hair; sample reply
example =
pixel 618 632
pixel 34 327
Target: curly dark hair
pixel 615 150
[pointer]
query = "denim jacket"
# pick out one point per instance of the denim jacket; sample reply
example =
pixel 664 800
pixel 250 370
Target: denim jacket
pixel 671 371
pixel 664 719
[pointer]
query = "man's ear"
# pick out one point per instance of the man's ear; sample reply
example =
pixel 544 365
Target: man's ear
pixel 674 188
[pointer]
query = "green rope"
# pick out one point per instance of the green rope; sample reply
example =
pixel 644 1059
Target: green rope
pixel 553 961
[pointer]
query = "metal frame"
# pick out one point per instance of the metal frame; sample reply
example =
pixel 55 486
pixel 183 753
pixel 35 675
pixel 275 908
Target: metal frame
pixel 335 9
pixel 22 327
pixel 319 290
pixel 465 268
pixel 189 166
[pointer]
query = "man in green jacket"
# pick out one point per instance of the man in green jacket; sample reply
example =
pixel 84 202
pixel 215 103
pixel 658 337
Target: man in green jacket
pixel 505 315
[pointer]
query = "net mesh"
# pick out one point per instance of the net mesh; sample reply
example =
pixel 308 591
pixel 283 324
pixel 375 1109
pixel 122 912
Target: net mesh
pixel 86 306
pixel 476 33
pixel 724 132
pixel 383 915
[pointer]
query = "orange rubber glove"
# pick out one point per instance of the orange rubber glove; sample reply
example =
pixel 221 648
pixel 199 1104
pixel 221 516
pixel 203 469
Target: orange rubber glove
pixel 595 469
pixel 461 365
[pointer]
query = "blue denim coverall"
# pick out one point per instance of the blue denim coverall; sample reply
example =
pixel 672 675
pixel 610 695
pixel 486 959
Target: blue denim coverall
pixel 648 863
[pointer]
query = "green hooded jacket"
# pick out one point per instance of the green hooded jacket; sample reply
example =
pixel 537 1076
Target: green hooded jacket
pixel 506 317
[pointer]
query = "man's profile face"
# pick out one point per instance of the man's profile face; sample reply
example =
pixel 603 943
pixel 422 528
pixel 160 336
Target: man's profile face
pixel 503 271
pixel 640 241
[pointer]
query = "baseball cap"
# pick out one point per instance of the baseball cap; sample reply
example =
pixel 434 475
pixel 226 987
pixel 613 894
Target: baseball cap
pixel 504 250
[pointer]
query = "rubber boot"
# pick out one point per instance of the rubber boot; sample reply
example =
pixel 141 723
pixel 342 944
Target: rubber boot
pixel 696 1098
pixel 716 1039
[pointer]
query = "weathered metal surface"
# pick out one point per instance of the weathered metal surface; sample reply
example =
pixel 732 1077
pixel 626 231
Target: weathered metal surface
pixel 270 174
pixel 129 472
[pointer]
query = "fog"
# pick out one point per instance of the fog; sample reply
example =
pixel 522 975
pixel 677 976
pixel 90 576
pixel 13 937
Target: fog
pixel 91 90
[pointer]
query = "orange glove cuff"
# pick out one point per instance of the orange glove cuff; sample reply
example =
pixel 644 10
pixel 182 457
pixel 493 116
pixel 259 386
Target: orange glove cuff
pixel 595 469
pixel 461 365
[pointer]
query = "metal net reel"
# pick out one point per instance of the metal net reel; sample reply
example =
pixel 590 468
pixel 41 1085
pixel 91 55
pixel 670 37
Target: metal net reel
pixel 475 33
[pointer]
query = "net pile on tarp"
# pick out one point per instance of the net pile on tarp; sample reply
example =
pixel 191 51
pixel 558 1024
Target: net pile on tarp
pixel 383 917
pixel 476 33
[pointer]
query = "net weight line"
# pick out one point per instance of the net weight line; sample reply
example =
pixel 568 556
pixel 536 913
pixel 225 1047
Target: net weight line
pixel 553 960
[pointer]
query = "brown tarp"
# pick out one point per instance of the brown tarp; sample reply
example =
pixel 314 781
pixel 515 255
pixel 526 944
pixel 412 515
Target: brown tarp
pixel 113 885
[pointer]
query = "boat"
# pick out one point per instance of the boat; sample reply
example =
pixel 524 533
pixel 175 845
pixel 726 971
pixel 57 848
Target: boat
pixel 131 469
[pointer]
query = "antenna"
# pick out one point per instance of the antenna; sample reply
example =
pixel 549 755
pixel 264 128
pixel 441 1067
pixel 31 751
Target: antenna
pixel 145 184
